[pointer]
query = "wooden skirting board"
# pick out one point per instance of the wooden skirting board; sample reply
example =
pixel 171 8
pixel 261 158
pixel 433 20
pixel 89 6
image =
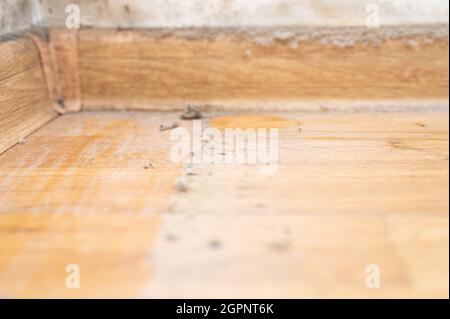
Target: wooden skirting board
pixel 226 69
pixel 24 101
pixel 166 70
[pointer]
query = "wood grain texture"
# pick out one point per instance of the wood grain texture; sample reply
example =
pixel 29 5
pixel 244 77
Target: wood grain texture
pixel 149 70
pixel 41 39
pixel 77 193
pixel 24 102
pixel 351 190
pixel 64 49
pixel 18 54
pixel 59 53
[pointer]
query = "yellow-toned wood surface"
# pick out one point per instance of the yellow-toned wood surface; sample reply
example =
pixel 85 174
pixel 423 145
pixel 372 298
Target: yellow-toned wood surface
pixel 77 193
pixel 351 190
pixel 59 54
pixel 24 102
pixel 132 69
pixel 64 50
pixel 41 39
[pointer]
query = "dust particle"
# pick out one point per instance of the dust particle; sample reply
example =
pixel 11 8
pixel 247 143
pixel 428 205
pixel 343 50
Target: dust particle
pixel 191 113
pixel 191 172
pixel 171 238
pixel 148 166
pixel 163 128
pixel 182 186
pixel 215 244
pixel 61 102
pixel 281 247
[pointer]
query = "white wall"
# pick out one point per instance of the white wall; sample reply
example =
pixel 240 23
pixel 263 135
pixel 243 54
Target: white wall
pixel 200 13
pixel 17 15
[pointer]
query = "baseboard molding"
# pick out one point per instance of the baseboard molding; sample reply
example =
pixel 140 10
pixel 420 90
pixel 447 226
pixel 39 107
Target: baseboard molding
pixel 24 101
pixel 228 69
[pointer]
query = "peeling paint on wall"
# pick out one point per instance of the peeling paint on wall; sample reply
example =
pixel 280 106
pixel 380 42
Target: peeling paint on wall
pixel 246 13
pixel 294 37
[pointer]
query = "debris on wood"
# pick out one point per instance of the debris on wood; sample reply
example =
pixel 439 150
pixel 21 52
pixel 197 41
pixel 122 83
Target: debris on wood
pixel 22 141
pixel 280 247
pixel 190 171
pixel 148 166
pixel 215 244
pixel 163 128
pixel 171 238
pixel 61 102
pixel 191 113
pixel 127 8
pixel 182 185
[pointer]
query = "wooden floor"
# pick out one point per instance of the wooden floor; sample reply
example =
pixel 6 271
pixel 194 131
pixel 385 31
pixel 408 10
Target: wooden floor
pixel 352 189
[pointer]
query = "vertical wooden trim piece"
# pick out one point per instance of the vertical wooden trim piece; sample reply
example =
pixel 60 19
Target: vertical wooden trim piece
pixel 59 54
pixel 64 49
pixel 41 40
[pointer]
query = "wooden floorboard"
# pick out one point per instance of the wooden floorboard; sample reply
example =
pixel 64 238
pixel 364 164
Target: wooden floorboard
pixel 351 190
